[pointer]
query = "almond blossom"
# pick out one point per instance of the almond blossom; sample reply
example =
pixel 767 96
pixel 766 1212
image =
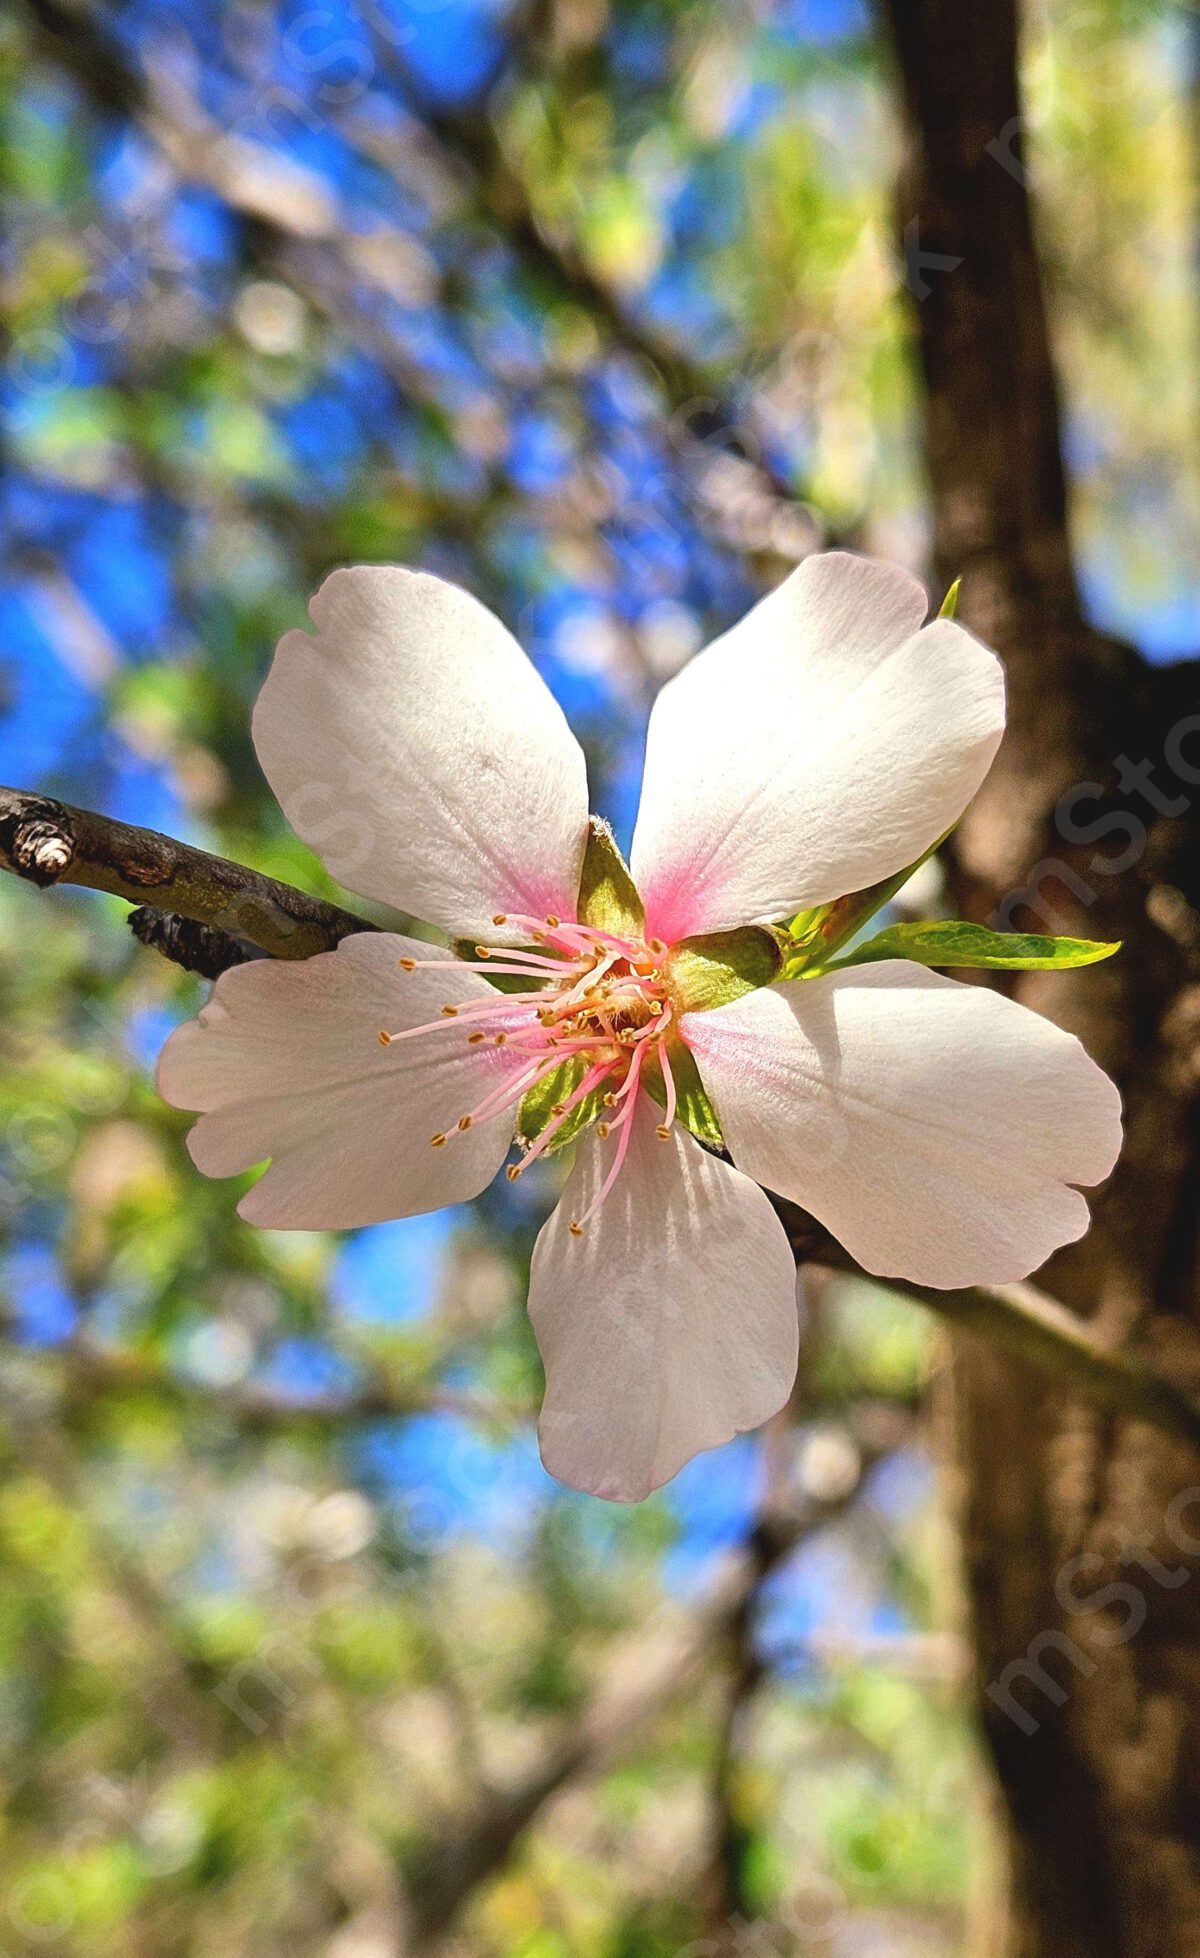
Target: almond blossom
pixel 826 742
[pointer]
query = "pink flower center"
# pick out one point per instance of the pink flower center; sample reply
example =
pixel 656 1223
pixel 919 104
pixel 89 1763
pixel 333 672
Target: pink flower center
pixel 592 998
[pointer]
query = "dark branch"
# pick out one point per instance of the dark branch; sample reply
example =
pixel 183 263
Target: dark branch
pixel 47 842
pixel 205 949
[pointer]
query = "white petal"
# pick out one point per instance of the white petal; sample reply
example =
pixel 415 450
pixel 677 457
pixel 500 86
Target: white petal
pixel 935 1128
pixel 817 748
pixel 670 1325
pixel 285 1062
pixel 412 744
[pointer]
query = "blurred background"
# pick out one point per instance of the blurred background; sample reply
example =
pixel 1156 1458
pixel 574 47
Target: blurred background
pixel 594 306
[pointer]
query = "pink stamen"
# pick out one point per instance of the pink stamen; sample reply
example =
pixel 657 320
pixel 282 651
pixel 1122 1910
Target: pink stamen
pixel 509 1091
pixel 499 1009
pixel 576 1225
pixel 542 970
pixel 590 993
pixel 590 1081
pixel 628 1087
pixel 540 1040
pixel 538 927
pixel 590 978
pixel 668 1075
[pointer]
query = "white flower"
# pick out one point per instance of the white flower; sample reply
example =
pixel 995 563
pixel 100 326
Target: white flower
pixel 821 746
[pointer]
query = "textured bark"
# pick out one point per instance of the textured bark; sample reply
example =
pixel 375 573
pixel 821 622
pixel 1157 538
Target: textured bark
pixel 1100 1793
pixel 208 910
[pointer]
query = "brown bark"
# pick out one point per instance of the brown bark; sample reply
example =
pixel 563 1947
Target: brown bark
pixel 1099 1792
pixel 207 908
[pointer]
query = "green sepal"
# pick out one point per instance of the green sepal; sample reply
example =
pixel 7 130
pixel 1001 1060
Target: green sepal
pixel 693 1107
pixel 608 896
pixel 504 982
pixel 949 605
pixel 709 971
pixel 537 1109
pixel 955 942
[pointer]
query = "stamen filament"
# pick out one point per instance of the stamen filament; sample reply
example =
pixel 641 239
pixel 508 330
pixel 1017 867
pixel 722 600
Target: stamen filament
pixel 577 1224
pixel 590 1081
pixel 543 969
pixel 496 1009
pixel 513 1089
pixel 588 992
pixel 668 1075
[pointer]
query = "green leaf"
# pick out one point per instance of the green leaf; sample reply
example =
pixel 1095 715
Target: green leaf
pixel 813 936
pixel 693 1106
pixel 722 965
pixel 949 605
pixel 608 896
pixel 955 942
pixel 537 1109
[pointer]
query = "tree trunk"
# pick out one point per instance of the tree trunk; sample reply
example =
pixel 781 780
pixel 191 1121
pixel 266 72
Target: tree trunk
pixel 1081 1530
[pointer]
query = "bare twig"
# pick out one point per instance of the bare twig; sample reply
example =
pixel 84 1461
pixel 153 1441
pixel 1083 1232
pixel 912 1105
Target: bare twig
pixel 48 842
pixel 1028 1322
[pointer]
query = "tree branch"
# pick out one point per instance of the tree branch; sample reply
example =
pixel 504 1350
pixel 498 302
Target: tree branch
pixel 47 842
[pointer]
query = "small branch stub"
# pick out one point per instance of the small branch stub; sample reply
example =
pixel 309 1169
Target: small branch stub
pixel 39 842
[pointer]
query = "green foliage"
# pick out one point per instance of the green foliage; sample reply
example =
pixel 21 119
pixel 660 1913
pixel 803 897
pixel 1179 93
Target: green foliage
pixel 956 942
pixel 811 939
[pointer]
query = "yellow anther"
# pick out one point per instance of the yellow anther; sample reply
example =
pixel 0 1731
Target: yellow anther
pixel 408 965
pixel 437 1141
pixel 663 1132
pixel 558 1108
pixel 473 1039
pixel 513 1171
pixel 603 1129
pixel 501 1039
pixel 575 1228
pixel 554 923
pixel 464 1122
pixel 500 918
pixel 484 951
pixel 385 1038
pixel 450 1012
